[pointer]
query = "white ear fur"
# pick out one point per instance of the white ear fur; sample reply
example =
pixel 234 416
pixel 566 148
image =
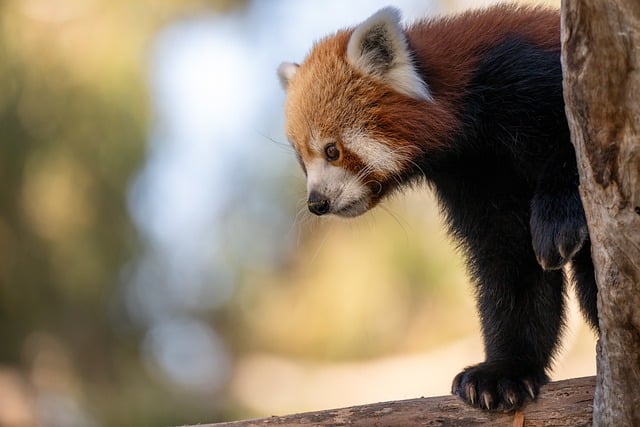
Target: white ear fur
pixel 286 71
pixel 379 47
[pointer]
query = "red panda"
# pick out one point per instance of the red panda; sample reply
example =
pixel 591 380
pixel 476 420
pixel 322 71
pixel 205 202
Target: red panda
pixel 472 105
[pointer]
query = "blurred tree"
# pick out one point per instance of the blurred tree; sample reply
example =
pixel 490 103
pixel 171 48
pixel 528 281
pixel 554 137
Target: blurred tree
pixel 73 120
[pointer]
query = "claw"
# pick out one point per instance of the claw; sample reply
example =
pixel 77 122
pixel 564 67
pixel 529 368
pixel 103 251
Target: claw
pixel 568 252
pixel 528 385
pixel 470 391
pixel 487 400
pixel 456 384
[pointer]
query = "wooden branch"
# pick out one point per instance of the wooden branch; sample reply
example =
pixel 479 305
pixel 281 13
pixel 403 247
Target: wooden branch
pixel 562 403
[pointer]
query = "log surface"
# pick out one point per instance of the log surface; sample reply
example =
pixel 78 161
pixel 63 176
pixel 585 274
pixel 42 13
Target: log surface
pixel 561 403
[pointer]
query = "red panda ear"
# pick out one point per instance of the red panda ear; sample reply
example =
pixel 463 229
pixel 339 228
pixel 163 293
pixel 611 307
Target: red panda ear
pixel 379 47
pixel 286 71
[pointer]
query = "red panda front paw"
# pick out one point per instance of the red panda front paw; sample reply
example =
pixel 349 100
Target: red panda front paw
pixel 497 386
pixel 558 229
pixel 556 244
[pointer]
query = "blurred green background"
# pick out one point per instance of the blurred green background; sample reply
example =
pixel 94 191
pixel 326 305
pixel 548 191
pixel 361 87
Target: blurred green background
pixel 157 266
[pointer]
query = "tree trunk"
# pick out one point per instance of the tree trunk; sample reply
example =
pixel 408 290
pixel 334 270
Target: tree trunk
pixel 601 66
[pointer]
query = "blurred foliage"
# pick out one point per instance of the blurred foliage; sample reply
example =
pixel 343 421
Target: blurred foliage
pixel 73 121
pixel 357 289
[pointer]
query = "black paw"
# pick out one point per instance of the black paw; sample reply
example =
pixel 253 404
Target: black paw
pixel 558 229
pixel 495 386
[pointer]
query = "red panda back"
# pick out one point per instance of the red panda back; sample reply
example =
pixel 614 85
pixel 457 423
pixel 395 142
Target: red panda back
pixel 450 48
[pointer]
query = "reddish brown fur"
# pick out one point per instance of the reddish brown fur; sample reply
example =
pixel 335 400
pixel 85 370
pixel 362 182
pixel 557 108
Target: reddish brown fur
pixel 328 95
pixel 450 48
pixel 446 52
pixel 382 113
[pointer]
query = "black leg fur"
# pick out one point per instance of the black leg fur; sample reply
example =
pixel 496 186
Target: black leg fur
pixel 521 310
pixel 585 282
pixel 559 228
pixel 558 224
pixel 510 193
pixel 521 305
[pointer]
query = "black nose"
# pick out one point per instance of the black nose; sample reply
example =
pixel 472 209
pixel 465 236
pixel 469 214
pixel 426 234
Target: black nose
pixel 318 204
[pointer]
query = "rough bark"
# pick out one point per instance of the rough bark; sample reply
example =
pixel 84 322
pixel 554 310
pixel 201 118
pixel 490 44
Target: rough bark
pixel 601 66
pixel 563 403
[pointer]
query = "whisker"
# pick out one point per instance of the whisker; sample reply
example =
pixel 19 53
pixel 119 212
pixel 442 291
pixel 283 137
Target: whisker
pixel 373 181
pixel 397 221
pixel 320 246
pixel 298 222
pixel 283 145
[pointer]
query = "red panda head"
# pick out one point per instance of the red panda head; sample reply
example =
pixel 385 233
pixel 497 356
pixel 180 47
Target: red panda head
pixel 352 114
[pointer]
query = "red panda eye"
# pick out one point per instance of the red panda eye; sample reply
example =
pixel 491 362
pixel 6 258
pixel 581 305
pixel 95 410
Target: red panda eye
pixel 332 152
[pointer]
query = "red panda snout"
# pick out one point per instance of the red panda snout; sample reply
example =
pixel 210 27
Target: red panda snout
pixel 333 189
pixel 318 203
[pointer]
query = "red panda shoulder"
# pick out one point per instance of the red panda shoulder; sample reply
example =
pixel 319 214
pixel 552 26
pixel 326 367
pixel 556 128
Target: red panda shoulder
pixel 447 50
